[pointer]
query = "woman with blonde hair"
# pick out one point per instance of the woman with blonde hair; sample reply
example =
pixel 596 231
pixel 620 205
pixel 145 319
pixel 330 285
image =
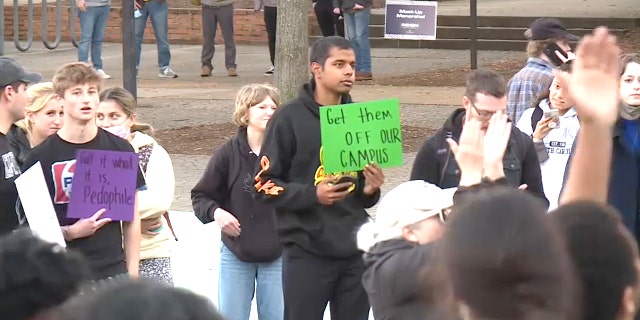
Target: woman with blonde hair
pixel 43 117
pixel 250 252
pixel 116 114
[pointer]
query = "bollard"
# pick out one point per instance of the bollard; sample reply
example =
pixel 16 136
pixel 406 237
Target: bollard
pixel 129 71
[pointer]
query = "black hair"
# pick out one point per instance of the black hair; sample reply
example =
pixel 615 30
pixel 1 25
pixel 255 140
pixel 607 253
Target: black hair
pixel 485 82
pixel 321 48
pixel 604 255
pixel 504 259
pixel 35 275
pixel 140 300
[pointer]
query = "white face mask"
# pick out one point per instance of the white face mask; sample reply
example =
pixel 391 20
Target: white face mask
pixel 120 130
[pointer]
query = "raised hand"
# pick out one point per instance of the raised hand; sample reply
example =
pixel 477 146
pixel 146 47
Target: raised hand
pixel 469 152
pixel 593 82
pixel 496 140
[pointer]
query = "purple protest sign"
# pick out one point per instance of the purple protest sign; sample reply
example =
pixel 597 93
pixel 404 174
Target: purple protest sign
pixel 104 179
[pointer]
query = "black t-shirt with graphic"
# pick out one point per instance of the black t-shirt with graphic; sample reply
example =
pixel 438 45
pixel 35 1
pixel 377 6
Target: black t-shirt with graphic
pixel 104 249
pixel 9 171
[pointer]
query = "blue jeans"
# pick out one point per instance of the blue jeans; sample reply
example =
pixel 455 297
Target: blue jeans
pixel 357 30
pixel 237 284
pixel 158 12
pixel 93 23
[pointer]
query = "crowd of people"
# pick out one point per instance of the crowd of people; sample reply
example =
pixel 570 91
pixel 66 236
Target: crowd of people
pixel 524 210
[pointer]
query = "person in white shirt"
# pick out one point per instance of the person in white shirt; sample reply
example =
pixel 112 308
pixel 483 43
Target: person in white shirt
pixel 552 136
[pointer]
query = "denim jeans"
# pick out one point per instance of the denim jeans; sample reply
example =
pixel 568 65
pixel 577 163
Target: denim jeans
pixel 357 30
pixel 93 23
pixel 238 282
pixel 158 12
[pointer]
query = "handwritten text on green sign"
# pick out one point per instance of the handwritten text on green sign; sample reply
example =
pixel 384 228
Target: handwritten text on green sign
pixel 356 134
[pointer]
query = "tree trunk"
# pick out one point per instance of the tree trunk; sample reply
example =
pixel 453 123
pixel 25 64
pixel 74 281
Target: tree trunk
pixel 292 47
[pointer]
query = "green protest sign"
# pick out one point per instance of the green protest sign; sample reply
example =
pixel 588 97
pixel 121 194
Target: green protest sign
pixel 356 134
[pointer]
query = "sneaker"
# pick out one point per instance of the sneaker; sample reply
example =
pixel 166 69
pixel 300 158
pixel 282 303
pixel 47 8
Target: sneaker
pixel 232 72
pixel 167 73
pixel 270 72
pixel 103 74
pixel 206 71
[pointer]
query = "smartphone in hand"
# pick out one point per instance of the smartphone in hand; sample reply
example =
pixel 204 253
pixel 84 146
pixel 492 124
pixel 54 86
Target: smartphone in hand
pixel 555 115
pixel 346 178
pixel 556 55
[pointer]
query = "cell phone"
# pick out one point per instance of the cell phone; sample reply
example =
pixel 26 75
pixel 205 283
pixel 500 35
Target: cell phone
pixel 346 178
pixel 557 56
pixel 554 115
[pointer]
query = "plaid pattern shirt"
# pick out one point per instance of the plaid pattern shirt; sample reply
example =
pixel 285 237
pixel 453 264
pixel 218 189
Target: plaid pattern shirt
pixel 527 85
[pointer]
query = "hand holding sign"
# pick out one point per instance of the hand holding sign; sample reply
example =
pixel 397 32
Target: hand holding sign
pixel 373 179
pixel 87 227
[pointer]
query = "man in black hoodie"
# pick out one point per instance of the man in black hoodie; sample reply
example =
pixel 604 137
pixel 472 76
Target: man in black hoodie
pixel 485 95
pixel 317 215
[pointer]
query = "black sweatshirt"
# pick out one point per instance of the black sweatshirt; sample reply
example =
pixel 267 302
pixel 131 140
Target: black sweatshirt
pixel 227 183
pixel 436 164
pixel 290 171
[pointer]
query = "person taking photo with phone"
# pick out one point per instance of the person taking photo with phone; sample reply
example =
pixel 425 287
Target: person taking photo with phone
pixel 553 125
pixel 548 47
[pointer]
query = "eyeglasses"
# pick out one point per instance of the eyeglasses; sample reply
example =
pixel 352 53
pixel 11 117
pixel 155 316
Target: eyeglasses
pixel 482 114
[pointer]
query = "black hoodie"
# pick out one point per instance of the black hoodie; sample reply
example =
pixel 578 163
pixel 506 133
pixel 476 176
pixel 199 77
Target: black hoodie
pixel 392 280
pixel 290 171
pixel 435 163
pixel 227 183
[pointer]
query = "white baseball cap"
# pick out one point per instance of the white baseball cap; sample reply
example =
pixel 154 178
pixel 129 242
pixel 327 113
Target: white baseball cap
pixel 409 203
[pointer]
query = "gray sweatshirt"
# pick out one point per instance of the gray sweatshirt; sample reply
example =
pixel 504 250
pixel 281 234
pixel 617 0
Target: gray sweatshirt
pixel 259 4
pixel 217 3
pixel 98 3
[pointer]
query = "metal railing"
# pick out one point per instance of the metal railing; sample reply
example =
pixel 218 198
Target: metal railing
pixel 18 24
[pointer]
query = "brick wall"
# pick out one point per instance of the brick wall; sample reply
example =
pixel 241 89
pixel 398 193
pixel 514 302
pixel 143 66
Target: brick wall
pixel 184 25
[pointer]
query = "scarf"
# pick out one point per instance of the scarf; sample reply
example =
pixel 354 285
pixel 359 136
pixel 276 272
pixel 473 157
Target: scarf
pixel 628 112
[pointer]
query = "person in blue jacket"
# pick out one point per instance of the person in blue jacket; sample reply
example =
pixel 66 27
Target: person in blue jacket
pixel 624 184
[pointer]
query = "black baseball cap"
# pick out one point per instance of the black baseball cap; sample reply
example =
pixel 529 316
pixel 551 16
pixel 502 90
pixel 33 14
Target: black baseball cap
pixel 11 71
pixel 550 28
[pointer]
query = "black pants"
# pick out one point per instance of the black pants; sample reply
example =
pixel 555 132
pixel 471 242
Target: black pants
pixel 330 23
pixel 310 281
pixel 270 22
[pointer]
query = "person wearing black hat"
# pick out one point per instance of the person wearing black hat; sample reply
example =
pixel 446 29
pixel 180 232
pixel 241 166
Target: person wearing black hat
pixel 536 76
pixel 13 100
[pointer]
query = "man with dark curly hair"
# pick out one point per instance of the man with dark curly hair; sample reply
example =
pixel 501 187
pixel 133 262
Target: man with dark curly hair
pixel 36 276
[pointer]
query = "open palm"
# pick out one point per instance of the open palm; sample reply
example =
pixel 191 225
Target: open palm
pixel 593 83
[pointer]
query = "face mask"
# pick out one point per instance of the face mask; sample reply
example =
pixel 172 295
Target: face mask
pixel 121 131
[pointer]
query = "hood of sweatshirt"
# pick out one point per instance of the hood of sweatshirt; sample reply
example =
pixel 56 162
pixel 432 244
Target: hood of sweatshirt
pixel 306 97
pixel 394 294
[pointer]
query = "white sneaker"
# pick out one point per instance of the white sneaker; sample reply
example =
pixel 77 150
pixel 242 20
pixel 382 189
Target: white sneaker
pixel 167 73
pixel 103 74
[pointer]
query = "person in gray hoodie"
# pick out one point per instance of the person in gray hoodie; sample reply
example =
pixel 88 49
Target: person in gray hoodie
pixel 93 15
pixel 214 13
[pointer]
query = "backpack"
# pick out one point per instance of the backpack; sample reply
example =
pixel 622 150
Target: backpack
pixel 536 116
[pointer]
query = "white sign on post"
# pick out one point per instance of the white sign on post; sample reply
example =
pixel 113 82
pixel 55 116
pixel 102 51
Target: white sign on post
pixel 37 205
pixel 411 20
